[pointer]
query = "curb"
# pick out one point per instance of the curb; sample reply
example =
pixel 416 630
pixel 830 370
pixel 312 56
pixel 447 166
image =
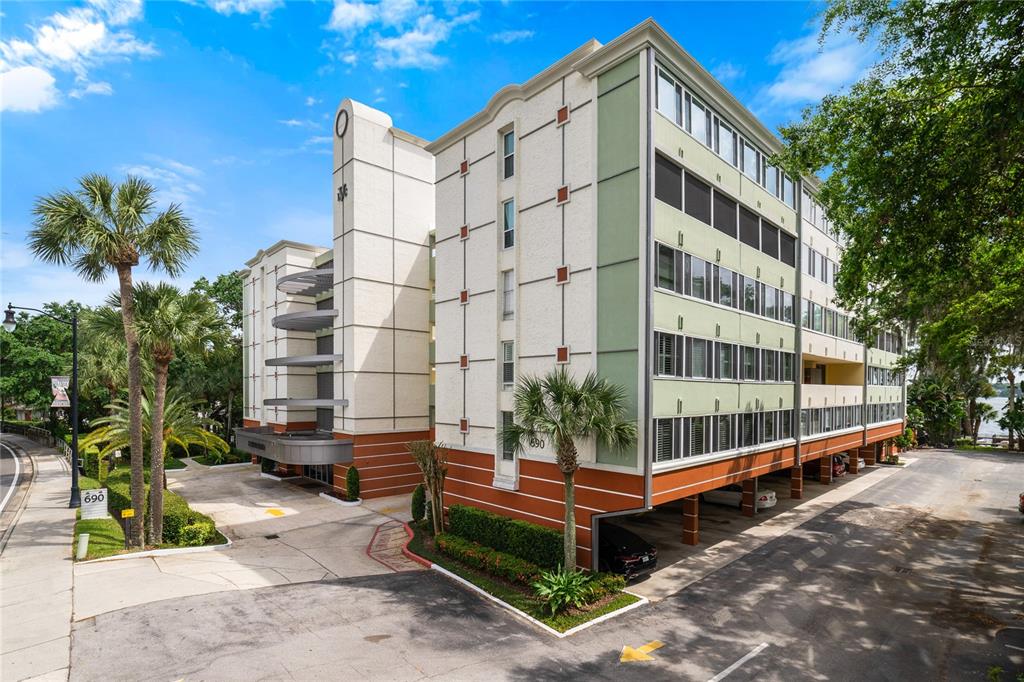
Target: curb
pixel 343 503
pixel 641 601
pixel 272 477
pixel 232 465
pixel 409 553
pixel 160 552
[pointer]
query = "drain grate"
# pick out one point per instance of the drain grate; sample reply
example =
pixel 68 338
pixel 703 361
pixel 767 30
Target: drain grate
pixel 272 536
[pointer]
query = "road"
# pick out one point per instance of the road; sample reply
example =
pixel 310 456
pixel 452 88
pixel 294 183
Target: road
pixel 10 474
pixel 918 577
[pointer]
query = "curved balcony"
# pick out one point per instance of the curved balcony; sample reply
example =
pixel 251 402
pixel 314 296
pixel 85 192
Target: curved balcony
pixel 293 447
pixel 304 360
pixel 305 402
pixel 307 282
pixel 305 321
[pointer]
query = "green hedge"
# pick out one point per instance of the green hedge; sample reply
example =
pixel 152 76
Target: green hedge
pixel 183 525
pixel 492 561
pixel 528 541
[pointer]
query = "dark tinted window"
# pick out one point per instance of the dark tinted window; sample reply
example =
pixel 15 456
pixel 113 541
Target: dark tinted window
pixel 750 230
pixel 787 249
pixel 769 239
pixel 725 215
pixel 698 199
pixel 668 182
pixel 325 344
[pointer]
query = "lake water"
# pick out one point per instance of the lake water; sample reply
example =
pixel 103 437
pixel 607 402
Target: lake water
pixel 992 428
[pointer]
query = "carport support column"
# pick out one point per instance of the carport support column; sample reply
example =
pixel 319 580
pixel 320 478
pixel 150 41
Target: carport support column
pixel 691 520
pixel 825 469
pixel 854 467
pixel 749 496
pixel 868 454
pixel 796 483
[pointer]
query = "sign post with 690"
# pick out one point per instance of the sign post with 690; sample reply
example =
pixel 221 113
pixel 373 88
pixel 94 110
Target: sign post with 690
pixel 94 503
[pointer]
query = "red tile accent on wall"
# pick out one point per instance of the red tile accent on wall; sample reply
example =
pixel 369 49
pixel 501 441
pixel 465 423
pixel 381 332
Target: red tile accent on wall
pixel 561 274
pixel 464 232
pixel 562 116
pixel 464 167
pixel 463 362
pixel 464 296
pixel 463 426
pixel 562 355
pixel 562 195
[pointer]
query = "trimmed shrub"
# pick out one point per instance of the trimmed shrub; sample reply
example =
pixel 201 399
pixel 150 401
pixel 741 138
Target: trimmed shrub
pixel 419 503
pixel 528 541
pixel 178 515
pixel 352 484
pixel 196 534
pixel 489 560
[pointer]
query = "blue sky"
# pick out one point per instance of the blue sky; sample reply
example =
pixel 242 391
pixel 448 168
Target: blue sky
pixel 226 105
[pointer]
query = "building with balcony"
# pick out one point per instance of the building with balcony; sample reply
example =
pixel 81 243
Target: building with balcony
pixel 616 213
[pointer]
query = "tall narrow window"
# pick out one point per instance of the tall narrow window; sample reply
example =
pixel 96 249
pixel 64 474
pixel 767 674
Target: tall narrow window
pixel 770 179
pixel 508 150
pixel 771 306
pixel 669 98
pixel 698 201
pixel 751 160
pixel 725 214
pixel 668 182
pixel 725 438
pixel 508 212
pixel 698 121
pixel 787 366
pixel 666 267
pixel 749 363
pixel 787 249
pixel 725 142
pixel 697 358
pixel 768 430
pixel 726 287
pixel 508 294
pixel 508 364
pixel 507 453
pixel 696 272
pixel 749 295
pixel 698 441
pixel 750 228
pixel 726 361
pixel 787 192
pixel 787 307
pixel 666 347
pixel 769 239
pixel 664 440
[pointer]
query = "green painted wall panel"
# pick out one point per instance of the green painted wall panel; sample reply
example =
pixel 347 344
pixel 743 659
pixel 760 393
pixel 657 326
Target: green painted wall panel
pixel 622 369
pixel 618 113
pixel 618 75
pixel 699 319
pixel 618 307
pixel 618 202
pixel 698 397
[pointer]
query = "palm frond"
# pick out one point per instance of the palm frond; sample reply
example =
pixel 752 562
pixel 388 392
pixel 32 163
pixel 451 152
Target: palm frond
pixel 169 241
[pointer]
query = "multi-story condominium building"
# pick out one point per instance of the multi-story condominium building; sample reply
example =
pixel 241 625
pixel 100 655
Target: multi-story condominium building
pixel 616 213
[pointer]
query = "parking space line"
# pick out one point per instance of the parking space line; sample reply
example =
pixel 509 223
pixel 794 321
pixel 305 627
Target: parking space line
pixel 732 668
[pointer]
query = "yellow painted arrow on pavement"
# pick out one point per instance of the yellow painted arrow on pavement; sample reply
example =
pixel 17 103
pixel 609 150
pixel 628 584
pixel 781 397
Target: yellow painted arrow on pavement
pixel 630 654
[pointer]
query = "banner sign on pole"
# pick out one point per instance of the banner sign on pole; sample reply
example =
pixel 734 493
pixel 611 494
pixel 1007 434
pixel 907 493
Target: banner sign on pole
pixel 59 386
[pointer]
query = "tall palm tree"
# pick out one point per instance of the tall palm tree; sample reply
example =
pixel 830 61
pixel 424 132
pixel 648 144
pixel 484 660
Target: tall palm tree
pixel 104 227
pixel 167 321
pixel 558 408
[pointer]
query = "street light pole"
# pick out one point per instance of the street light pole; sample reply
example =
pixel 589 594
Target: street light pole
pixel 9 324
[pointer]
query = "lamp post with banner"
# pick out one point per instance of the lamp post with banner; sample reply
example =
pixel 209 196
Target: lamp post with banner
pixel 9 324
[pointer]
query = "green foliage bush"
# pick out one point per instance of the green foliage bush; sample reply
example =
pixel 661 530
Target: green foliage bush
pixel 419 503
pixel 178 515
pixel 604 584
pixel 561 589
pixel 962 442
pixel 498 564
pixel 196 534
pixel 352 484
pixel 528 541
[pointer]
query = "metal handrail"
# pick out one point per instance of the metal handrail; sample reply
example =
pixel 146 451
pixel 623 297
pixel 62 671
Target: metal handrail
pixel 41 436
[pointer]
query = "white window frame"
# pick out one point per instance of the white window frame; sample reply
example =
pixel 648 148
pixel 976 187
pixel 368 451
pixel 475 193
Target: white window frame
pixel 508 294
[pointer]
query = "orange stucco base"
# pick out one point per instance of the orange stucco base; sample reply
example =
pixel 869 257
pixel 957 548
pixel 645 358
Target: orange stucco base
pixel 383 461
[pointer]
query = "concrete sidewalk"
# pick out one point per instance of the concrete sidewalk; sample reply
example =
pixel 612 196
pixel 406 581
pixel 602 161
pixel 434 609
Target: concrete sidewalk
pixel 37 576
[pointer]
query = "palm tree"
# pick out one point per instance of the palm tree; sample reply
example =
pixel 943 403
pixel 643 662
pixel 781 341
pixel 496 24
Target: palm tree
pixel 167 320
pixel 104 227
pixel 181 427
pixel 559 408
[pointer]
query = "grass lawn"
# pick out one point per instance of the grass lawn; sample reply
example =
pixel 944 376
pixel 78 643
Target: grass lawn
pixel 105 537
pixel 230 458
pixel 519 597
pixel 171 463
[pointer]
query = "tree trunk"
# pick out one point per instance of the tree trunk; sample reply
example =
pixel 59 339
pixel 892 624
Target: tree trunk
pixel 1011 406
pixel 138 485
pixel 569 536
pixel 156 457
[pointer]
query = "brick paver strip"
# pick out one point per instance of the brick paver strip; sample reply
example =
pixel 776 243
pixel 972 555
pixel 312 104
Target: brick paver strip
pixel 387 544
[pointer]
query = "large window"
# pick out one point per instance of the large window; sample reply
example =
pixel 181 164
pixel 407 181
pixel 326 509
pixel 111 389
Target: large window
pixel 668 182
pixel 697 280
pixel 508 294
pixel 750 231
pixel 751 161
pixel 770 179
pixel 725 214
pixel 726 361
pixel 508 364
pixel 669 98
pixel 697 357
pixel 725 142
pixel 698 200
pixel 508 150
pixel 787 249
pixel 749 294
pixel 788 196
pixel 725 281
pixel 684 437
pixel 666 267
pixel 698 121
pixel 508 212
pixel 769 239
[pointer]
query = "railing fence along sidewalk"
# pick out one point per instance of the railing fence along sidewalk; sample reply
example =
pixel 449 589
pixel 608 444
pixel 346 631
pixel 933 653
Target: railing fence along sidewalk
pixel 41 436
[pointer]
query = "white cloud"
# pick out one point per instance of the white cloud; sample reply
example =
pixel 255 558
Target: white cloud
pixel 27 88
pixel 298 123
pixel 351 16
pixel 350 58
pixel 319 139
pixel 414 48
pixel 312 101
pixel 507 37
pixel 100 88
pixel 176 182
pixel 810 71
pixel 262 7
pixel 727 71
pixel 74 41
